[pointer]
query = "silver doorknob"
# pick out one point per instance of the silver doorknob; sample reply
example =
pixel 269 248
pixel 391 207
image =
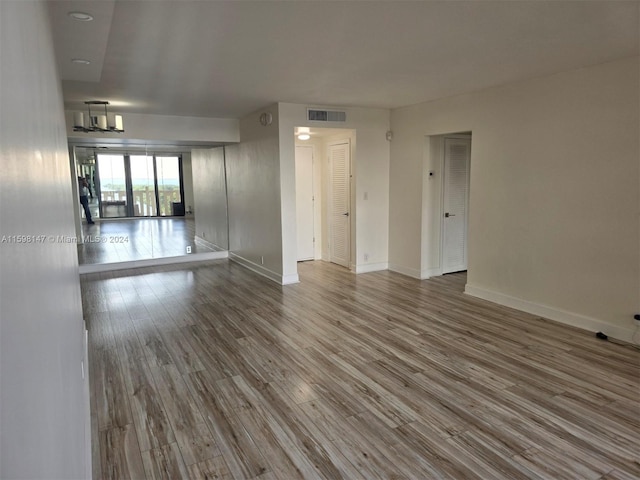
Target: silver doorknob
pixel 447 215
pixel 346 214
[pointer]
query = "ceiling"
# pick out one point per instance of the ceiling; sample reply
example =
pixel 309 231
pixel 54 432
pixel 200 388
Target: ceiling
pixel 228 58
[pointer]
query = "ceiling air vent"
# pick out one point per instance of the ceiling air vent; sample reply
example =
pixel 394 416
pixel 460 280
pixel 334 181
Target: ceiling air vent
pixel 326 115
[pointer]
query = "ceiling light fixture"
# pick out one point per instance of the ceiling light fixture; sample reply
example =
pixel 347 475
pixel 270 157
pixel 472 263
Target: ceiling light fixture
pixel 303 133
pixel 107 122
pixel 81 61
pixel 81 16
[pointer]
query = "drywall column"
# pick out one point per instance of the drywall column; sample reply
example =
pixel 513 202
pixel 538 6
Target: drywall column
pixel 43 396
pixel 255 209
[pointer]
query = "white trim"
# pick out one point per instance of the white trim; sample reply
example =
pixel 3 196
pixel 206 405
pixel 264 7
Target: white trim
pixel 204 243
pixel 552 313
pixel 409 272
pixel 371 267
pixel 430 272
pixel 151 262
pixel 265 272
pixel 290 279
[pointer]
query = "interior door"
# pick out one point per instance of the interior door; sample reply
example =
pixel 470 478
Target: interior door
pixel 340 224
pixel 304 203
pixel 457 152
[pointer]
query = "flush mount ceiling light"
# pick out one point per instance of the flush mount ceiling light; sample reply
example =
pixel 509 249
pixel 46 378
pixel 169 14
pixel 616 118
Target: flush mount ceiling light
pixel 81 61
pixel 81 16
pixel 303 133
pixel 102 122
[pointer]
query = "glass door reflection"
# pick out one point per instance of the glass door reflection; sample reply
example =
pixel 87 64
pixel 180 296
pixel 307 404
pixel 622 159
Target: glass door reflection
pixel 112 186
pixel 170 188
pixel 143 185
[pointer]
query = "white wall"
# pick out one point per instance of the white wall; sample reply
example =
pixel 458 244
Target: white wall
pixel 255 209
pixel 553 225
pixel 162 128
pixel 43 397
pixel 210 196
pixel 371 173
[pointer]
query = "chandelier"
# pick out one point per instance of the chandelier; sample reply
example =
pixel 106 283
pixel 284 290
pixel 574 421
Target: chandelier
pixel 100 122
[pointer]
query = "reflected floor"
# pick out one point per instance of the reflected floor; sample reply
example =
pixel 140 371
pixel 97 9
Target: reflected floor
pixel 137 239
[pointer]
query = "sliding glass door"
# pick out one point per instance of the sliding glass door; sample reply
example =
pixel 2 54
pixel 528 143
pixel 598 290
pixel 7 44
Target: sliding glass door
pixel 140 185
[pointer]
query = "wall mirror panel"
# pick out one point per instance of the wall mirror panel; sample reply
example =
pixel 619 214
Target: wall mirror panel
pixel 147 203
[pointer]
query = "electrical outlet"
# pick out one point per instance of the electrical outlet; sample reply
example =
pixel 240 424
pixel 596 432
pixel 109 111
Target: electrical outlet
pixel 188 248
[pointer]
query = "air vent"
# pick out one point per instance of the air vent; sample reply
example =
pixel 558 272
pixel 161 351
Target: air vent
pixel 326 116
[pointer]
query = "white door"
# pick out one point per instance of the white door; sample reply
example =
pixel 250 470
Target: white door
pixel 340 224
pixel 304 202
pixel 457 152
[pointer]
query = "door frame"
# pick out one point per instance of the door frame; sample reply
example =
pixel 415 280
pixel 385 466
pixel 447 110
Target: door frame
pixel 443 154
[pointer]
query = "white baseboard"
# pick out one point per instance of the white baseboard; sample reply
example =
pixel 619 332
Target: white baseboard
pixel 552 313
pixel 205 243
pixel 371 267
pixel 409 272
pixel 265 272
pixel 151 262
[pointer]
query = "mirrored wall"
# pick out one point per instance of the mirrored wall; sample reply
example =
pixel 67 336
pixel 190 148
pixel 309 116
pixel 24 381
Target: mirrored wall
pixel 150 203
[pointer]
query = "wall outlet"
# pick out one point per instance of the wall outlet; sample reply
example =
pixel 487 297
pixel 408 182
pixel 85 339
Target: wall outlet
pixel 188 248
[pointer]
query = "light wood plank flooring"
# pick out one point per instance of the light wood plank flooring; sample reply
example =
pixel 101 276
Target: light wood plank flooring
pixel 208 371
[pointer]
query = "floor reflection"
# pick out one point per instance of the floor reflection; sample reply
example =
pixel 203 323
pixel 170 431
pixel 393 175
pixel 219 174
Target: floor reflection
pixel 137 239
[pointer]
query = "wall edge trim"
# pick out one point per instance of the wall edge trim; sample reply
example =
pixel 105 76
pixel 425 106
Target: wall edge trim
pixel 563 316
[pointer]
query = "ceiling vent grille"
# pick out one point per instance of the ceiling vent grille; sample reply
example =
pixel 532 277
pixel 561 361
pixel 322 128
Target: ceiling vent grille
pixel 314 115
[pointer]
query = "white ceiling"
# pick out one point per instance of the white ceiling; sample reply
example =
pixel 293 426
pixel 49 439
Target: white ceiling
pixel 229 58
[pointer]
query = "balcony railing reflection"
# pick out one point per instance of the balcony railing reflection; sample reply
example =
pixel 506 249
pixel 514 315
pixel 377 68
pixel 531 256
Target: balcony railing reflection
pixel 114 202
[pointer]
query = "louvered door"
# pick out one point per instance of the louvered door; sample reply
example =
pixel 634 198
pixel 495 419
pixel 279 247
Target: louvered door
pixel 339 243
pixel 456 195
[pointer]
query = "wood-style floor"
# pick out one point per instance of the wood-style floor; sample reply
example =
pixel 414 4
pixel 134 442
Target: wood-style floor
pixel 137 239
pixel 208 371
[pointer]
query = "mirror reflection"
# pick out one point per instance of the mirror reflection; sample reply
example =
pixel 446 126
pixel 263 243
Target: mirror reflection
pixel 147 205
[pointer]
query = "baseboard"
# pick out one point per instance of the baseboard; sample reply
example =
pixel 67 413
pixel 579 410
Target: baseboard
pixel 552 313
pixel 151 262
pixel 409 272
pixel 371 267
pixel 205 243
pixel 265 272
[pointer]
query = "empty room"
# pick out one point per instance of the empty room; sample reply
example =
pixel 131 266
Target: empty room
pixel 307 239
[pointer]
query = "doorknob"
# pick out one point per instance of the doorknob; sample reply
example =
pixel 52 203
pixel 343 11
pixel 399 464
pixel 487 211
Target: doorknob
pixel 346 214
pixel 447 215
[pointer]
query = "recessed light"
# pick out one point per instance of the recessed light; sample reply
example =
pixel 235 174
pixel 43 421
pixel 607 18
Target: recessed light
pixel 81 16
pixel 81 61
pixel 304 136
